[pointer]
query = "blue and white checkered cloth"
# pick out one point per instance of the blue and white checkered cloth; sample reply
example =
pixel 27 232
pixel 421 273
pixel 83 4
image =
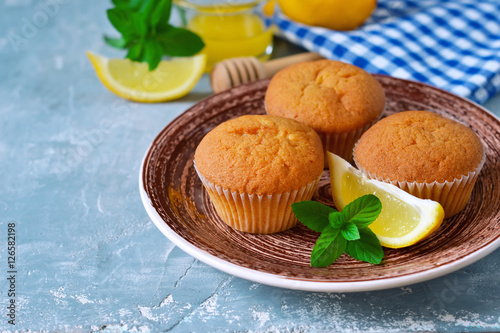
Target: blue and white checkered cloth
pixel 450 44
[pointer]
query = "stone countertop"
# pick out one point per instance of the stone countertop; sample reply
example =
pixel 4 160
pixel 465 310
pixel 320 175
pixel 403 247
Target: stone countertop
pixel 88 258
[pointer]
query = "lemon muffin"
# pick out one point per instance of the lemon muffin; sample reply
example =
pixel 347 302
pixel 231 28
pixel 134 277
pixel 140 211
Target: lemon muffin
pixel 338 100
pixel 254 167
pixel 425 154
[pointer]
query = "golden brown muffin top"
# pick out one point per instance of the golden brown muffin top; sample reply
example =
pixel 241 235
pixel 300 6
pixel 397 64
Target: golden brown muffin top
pixel 419 146
pixel 329 96
pixel 259 154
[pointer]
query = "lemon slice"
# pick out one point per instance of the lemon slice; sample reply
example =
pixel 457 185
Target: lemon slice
pixel 404 219
pixel 132 80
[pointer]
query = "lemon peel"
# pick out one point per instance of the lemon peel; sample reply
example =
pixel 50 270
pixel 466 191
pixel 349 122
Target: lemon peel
pixel 333 14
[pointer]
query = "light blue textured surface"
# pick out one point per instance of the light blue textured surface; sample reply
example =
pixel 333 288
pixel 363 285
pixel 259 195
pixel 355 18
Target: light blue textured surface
pixel 89 258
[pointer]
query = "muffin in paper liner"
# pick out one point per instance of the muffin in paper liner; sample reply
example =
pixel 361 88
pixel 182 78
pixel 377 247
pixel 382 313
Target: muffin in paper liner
pixel 452 195
pixel 259 214
pixel 338 100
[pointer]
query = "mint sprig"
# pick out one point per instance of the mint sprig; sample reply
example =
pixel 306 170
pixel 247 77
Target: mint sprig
pixel 146 33
pixel 344 231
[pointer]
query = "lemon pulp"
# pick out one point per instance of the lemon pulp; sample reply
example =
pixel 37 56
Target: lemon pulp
pixel 396 218
pixel 137 76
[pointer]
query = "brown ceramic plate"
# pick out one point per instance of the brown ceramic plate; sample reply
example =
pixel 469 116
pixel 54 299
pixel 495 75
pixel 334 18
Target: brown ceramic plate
pixel 178 204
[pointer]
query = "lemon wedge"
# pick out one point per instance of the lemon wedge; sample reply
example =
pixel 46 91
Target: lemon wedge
pixel 132 80
pixel 404 219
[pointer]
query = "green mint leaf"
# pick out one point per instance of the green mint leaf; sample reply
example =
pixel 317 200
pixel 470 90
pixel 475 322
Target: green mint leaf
pixel 336 219
pixel 140 24
pixel 147 8
pixel 135 4
pixel 119 43
pixel 121 19
pixel 135 51
pixel 328 248
pixel 153 53
pixel 312 214
pixel 342 231
pixel 161 13
pixel 363 211
pixel 350 231
pixel 367 248
pixel 147 34
pixel 125 4
pixel 179 42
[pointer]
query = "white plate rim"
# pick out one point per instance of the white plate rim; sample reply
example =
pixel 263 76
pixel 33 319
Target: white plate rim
pixel 297 284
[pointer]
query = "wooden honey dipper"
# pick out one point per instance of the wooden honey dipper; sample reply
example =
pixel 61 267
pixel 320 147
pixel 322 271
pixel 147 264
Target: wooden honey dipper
pixel 235 71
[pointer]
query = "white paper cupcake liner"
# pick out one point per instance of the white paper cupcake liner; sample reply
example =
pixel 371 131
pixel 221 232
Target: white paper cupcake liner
pixel 452 195
pixel 342 144
pixel 260 214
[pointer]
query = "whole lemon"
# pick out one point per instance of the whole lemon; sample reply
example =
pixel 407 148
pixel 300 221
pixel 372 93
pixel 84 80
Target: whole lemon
pixel 333 14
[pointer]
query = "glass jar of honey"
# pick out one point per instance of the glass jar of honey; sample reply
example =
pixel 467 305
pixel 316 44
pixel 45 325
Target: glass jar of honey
pixel 231 28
